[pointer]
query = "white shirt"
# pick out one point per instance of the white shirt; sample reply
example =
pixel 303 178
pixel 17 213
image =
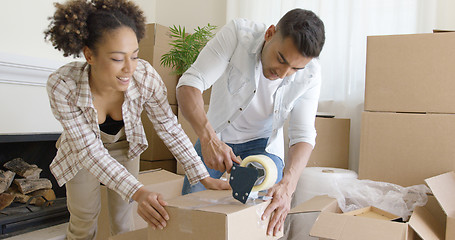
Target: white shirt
pixel 230 62
pixel 256 120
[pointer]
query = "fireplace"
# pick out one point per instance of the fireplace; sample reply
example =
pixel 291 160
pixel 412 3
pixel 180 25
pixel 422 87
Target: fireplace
pixel 28 130
pixel 38 149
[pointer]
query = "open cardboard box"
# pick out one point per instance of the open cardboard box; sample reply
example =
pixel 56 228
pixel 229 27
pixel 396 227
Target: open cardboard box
pixel 443 188
pixel 425 223
pixel 373 212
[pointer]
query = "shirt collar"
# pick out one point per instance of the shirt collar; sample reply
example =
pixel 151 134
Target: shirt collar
pixel 133 88
pixel 256 47
pixel 84 97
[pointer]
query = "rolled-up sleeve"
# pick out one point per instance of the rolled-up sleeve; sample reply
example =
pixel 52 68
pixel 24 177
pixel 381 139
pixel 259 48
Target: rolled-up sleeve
pixel 302 118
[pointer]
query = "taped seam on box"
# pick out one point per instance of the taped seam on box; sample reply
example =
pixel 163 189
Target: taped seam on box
pixel 259 212
pixel 186 223
pixel 222 201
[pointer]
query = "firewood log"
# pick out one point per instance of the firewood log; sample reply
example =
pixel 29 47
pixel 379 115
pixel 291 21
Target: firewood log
pixel 5 200
pixel 6 178
pixel 23 169
pixel 39 197
pixel 29 185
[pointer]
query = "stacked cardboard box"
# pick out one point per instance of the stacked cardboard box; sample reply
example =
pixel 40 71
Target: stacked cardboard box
pixel 186 126
pixel 407 130
pixel 408 125
pixel 155 44
pixel 332 143
pixel 157 155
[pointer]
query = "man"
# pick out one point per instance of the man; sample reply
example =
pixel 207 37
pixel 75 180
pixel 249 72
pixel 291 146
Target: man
pixel 259 76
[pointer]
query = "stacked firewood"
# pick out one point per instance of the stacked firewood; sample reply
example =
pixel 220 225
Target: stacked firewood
pixel 21 182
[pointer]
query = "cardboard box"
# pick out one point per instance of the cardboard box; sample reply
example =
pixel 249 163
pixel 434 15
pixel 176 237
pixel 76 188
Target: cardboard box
pixel 373 212
pixel 443 188
pixel 156 43
pixel 212 210
pixel 186 126
pixel 156 150
pixel 410 73
pixel 213 215
pixel 140 234
pixel 332 224
pixel 167 183
pixel 168 165
pixel 332 143
pixel 404 148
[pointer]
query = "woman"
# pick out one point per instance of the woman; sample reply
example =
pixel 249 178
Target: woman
pixel 99 103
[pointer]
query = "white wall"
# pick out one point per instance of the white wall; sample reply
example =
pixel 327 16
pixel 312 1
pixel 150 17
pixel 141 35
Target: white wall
pixel 446 17
pixel 24 107
pixel 190 13
pixel 23 22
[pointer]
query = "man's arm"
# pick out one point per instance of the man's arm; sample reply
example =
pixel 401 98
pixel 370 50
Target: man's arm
pixel 208 67
pixel 299 154
pixel 217 155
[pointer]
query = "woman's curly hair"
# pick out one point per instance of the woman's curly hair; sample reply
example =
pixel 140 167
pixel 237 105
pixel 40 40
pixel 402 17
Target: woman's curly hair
pixel 79 23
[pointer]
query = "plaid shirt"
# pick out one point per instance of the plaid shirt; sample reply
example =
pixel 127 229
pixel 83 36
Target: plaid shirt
pixel 80 144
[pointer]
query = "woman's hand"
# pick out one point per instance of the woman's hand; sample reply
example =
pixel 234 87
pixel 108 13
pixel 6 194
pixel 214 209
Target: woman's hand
pixel 150 206
pixel 215 184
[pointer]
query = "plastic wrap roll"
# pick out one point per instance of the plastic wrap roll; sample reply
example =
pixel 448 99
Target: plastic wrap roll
pixel 316 181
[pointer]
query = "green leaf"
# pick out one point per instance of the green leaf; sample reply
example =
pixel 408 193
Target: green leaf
pixel 185 47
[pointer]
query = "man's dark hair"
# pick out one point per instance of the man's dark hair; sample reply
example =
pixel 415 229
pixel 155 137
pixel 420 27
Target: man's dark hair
pixel 305 29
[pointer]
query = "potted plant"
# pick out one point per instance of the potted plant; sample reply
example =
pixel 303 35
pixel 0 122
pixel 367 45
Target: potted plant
pixel 186 47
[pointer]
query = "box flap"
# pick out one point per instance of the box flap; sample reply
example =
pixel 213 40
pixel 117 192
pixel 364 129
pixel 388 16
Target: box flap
pixel 316 204
pixel 157 176
pixel 443 188
pixel 425 225
pixel 450 228
pixel 343 227
pixel 373 212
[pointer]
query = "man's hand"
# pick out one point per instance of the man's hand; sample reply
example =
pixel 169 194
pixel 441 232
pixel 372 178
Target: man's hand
pixel 280 206
pixel 151 208
pixel 217 155
pixel 215 184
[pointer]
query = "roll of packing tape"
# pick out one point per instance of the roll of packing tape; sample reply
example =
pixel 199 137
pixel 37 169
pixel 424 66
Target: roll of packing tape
pixel 267 168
